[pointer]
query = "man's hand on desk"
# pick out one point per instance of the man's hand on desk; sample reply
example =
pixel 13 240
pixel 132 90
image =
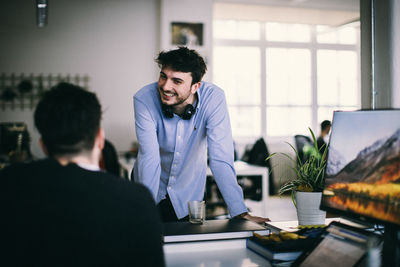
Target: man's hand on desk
pixel 259 220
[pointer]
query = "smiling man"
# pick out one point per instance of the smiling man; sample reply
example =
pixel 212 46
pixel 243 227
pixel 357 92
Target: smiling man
pixel 177 119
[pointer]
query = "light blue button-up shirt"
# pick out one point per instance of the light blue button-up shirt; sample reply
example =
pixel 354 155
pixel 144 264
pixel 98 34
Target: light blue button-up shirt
pixel 172 155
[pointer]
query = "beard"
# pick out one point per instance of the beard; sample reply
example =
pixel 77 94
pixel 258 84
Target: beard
pixel 178 99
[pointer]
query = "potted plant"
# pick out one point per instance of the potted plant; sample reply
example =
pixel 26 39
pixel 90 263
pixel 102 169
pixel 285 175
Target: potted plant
pixel 307 184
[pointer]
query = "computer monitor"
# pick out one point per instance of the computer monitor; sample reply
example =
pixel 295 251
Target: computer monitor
pixel 362 178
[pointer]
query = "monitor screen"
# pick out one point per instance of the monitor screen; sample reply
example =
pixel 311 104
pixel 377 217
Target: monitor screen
pixel 363 165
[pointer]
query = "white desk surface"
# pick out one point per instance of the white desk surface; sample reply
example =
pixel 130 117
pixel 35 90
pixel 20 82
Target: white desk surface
pixel 219 253
pixel 242 168
pixel 222 253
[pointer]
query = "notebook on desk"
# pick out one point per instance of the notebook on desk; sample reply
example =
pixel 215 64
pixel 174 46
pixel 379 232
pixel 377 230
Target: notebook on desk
pixel 211 230
pixel 293 226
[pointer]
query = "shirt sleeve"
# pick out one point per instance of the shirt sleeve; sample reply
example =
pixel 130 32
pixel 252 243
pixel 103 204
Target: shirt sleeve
pixel 221 155
pixel 147 168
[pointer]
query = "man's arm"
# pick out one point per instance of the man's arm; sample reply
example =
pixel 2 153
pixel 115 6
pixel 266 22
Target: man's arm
pixel 220 151
pixel 256 219
pixel 221 154
pixel 148 160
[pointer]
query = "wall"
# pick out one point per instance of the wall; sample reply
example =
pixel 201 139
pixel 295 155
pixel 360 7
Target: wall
pixel 395 59
pixel 387 53
pixel 114 42
pixel 191 11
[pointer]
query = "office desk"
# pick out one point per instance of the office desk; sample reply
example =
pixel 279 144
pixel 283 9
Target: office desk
pixel 217 253
pixel 230 251
pixel 244 169
pixel 219 243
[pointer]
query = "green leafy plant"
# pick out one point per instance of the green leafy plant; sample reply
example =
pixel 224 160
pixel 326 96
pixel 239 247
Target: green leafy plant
pixel 309 174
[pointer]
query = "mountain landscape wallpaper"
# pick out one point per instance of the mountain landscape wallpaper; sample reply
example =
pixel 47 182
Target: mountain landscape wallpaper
pixel 363 165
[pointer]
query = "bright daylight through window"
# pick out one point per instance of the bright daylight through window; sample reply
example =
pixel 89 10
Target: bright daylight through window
pixel 282 77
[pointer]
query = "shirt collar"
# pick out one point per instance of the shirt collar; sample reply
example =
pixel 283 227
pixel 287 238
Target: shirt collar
pixel 199 91
pixel 89 167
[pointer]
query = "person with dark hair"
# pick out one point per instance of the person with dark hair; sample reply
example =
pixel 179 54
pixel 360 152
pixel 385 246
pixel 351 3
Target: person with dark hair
pixel 325 129
pixel 109 159
pixel 64 211
pixel 178 119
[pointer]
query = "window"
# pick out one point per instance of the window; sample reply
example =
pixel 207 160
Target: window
pixel 240 30
pixel 289 93
pixel 288 32
pixel 281 78
pixel 239 76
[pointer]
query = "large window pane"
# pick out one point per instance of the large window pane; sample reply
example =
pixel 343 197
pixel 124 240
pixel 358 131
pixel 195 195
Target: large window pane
pixel 288 76
pixel 347 35
pixel 337 78
pixel 285 90
pixel 287 121
pixel 327 77
pixel 326 35
pixel 332 35
pixel 237 71
pixel 282 32
pixel 326 113
pixel 245 121
pixel 241 30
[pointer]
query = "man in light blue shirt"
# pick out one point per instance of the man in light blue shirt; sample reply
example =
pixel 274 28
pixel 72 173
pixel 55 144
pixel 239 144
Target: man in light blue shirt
pixel 176 120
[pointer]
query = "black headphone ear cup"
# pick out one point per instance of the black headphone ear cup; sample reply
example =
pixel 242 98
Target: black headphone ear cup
pixel 167 111
pixel 188 112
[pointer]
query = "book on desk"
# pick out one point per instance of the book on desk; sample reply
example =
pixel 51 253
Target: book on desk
pixel 274 251
pixel 211 230
pixel 285 246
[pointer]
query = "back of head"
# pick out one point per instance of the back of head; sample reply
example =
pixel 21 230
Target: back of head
pixel 68 119
pixel 183 60
pixel 325 125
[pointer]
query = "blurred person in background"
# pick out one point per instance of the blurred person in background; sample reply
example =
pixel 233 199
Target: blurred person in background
pixel 323 137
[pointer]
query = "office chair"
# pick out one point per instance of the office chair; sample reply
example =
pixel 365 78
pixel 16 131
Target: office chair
pixel 302 141
pixel 256 156
pixel 109 160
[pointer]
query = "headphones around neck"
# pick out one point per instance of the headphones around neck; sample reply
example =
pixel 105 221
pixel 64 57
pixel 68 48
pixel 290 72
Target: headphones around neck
pixel 186 115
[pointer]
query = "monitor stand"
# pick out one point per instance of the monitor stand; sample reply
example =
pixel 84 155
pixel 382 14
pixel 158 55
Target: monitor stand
pixel 391 246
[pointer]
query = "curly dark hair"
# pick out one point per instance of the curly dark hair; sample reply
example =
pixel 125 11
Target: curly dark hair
pixel 68 119
pixel 183 59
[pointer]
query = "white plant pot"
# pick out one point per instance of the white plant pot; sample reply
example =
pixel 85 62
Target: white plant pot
pixel 307 205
